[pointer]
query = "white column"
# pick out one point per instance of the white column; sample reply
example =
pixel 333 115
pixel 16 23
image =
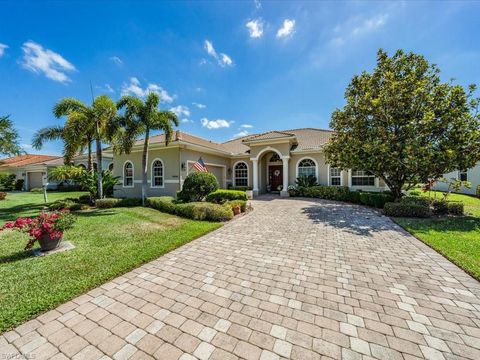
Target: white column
pixel 255 176
pixel 284 191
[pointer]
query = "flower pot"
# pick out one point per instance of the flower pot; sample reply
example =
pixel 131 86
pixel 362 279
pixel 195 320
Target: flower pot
pixel 249 194
pixel 47 243
pixel 237 209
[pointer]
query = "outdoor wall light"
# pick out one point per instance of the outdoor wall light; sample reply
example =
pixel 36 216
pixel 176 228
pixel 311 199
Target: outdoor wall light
pixel 183 166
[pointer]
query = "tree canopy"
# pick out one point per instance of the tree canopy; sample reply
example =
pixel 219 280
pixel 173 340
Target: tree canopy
pixel 404 125
pixel 8 137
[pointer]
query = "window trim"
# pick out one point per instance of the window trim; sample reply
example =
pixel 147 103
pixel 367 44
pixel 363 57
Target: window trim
pixel 248 172
pixel 307 158
pixel 358 176
pixel 163 174
pixel 123 174
pixel 330 177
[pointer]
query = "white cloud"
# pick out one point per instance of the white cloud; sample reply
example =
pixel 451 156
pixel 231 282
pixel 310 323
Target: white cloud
pixel 116 60
pixel 255 28
pixel 222 59
pixel 215 124
pixel 105 87
pixel 187 121
pixel 3 47
pixel 134 88
pixel 258 4
pixel 287 29
pixel 180 110
pixel 200 106
pixel 40 60
pixel 246 126
pixel 358 27
pixel 241 133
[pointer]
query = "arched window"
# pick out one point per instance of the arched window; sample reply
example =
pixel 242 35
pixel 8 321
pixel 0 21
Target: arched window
pixel 128 174
pixel 241 174
pixel 157 173
pixel 307 167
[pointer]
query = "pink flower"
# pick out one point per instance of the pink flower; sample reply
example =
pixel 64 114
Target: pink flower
pixel 9 225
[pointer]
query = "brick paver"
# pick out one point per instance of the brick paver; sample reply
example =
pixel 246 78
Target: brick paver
pixel 300 279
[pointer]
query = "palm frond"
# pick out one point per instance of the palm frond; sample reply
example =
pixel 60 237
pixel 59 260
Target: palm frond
pixel 68 105
pixel 47 134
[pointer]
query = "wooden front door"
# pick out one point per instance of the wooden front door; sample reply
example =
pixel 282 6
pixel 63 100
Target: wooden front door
pixel 275 177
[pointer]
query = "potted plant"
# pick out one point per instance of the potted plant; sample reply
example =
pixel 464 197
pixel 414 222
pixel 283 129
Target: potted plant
pixel 47 228
pixel 249 193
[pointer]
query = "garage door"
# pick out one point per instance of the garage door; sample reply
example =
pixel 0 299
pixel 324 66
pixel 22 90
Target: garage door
pixel 35 180
pixel 215 170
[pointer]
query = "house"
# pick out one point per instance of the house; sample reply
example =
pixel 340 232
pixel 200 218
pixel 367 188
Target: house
pixel 266 162
pixel 471 175
pixel 34 168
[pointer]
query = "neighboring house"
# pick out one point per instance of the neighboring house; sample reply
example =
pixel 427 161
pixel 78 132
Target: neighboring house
pixel 34 168
pixel 266 162
pixel 471 175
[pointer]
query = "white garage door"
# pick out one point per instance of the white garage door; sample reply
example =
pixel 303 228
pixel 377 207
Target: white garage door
pixel 35 180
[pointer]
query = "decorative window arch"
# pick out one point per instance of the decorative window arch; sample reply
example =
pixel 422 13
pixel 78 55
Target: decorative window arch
pixel 240 174
pixel 307 167
pixel 128 174
pixel 157 173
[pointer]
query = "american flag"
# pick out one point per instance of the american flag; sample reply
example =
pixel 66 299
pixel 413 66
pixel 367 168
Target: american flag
pixel 200 165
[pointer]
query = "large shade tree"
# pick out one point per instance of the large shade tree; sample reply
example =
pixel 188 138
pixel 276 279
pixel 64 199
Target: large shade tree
pixel 404 125
pixel 141 117
pixel 8 138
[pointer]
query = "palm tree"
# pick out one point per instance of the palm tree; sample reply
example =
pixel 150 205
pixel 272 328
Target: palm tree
pixel 92 122
pixel 143 117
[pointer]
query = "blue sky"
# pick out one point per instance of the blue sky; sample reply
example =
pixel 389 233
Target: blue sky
pixel 227 68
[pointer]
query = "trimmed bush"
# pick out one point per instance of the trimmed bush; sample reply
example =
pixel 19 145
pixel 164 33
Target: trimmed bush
pixel 79 206
pixel 197 185
pixel 416 200
pixel 414 193
pixel 353 197
pixel 19 184
pixel 239 188
pixel 375 199
pixel 129 202
pixel 7 181
pixel 163 204
pixel 107 203
pixel 455 207
pixel 399 209
pixel 340 193
pixel 440 207
pixel 241 203
pixel 205 211
pixel 220 196
pixel 84 199
pixel 62 204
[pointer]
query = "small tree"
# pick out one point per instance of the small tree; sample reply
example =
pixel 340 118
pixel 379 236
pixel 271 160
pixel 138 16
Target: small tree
pixel 404 125
pixel 8 137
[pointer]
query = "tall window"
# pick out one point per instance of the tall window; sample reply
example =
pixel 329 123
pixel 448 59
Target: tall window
pixel 362 178
pixel 307 167
pixel 335 177
pixel 241 174
pixel 157 173
pixel 463 175
pixel 128 174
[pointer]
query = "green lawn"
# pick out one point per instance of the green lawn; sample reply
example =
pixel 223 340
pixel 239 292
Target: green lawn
pixel 108 243
pixel 457 238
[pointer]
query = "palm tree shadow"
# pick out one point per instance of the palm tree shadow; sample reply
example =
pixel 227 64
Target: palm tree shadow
pixel 13 212
pixel 16 256
pixel 355 219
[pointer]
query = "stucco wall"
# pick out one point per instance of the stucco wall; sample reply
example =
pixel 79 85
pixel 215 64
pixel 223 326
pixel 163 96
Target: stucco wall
pixel 473 176
pixel 217 165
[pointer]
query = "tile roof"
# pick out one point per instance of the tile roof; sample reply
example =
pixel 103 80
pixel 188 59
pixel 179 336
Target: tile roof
pixel 269 135
pixel 27 159
pixel 185 137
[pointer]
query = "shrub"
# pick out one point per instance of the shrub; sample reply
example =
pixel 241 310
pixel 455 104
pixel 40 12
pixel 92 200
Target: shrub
pixel 353 197
pixel 375 199
pixel 197 185
pixel 220 196
pixel 163 204
pixel 36 190
pixel 414 193
pixel 84 199
pixel 205 211
pixel 440 207
pixel 455 207
pixel 399 209
pixel 107 203
pixel 416 200
pixel 241 203
pixel 3 195
pixel 79 206
pixel 7 181
pixel 129 202
pixel 340 193
pixel 306 181
pixel 239 188
pixel 62 204
pixel 19 184
pixel 478 191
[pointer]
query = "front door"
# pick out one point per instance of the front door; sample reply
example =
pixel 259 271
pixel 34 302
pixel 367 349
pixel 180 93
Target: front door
pixel 275 177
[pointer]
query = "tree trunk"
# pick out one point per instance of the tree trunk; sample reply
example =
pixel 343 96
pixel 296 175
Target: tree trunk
pixel 89 159
pixel 144 165
pixel 99 167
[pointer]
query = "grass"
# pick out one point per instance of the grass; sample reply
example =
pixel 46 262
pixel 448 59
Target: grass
pixel 107 243
pixel 457 238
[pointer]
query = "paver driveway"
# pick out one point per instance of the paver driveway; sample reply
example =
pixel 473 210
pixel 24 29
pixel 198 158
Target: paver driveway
pixel 300 279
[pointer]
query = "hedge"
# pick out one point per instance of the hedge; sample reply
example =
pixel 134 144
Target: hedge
pixel 109 203
pixel 196 186
pixel 399 209
pixel 455 207
pixel 221 196
pixel 194 210
pixel 7 181
pixel 377 200
pixel 416 200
